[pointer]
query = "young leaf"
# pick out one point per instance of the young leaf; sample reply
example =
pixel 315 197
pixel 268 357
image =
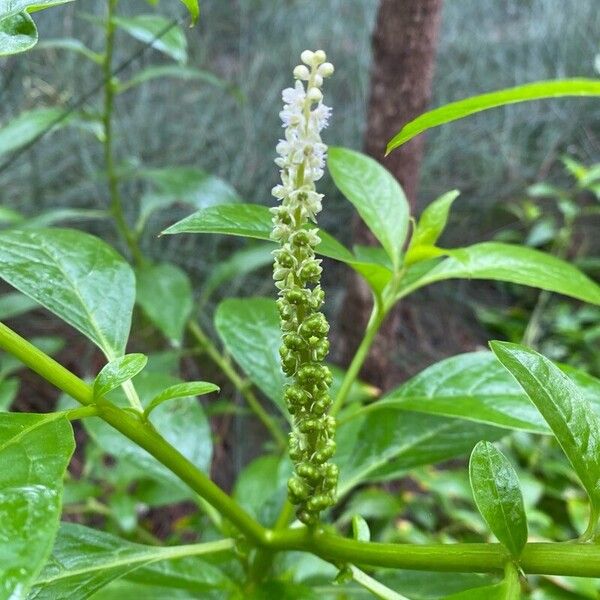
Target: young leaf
pixel 162 34
pixel 504 262
pixel 84 561
pixel 433 221
pixel 181 422
pixel 35 451
pixel 78 277
pixel 375 194
pixel 463 108
pixel 360 529
pixel 117 372
pixel 498 496
pixel 164 293
pixel 193 7
pixel 18 33
pixel 476 387
pixel 565 409
pixel 508 589
pixel 181 390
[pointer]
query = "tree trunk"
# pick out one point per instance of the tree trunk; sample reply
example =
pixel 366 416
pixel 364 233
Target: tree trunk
pixel 404 45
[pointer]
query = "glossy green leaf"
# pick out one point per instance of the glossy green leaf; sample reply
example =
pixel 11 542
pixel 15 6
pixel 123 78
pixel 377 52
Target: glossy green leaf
pixel 505 262
pixel 73 45
pixel 261 487
pixel 78 277
pixel 476 387
pixel 18 33
pixel 249 329
pixel 173 72
pixel 181 422
pixel 498 496
pixel 255 221
pixel 453 111
pixel 181 390
pixel 431 225
pixel 165 294
pixel 383 445
pixel 14 304
pixel 191 186
pixel 238 264
pixel 375 194
pixel 193 7
pixel 157 31
pixel 117 372
pixel 84 561
pixel 35 451
pixel 570 416
pixel 12 7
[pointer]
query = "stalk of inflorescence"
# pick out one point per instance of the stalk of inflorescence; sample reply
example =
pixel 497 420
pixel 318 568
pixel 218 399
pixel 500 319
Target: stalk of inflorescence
pixel 297 275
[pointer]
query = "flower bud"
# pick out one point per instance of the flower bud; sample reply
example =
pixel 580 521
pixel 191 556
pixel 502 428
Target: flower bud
pixel 325 70
pixel 319 57
pixel 301 72
pixel 314 94
pixel 307 57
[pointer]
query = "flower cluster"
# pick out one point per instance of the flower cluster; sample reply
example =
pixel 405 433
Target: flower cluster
pixel 297 274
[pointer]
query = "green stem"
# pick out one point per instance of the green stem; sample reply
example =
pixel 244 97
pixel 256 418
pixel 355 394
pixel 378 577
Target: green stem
pixel 574 559
pixel 377 317
pixel 241 385
pixel 116 204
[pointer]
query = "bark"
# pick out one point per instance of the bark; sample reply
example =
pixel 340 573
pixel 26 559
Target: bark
pixel 404 45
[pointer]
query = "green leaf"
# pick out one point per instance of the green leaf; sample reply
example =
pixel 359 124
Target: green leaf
pixel 175 72
pixel 117 372
pixel 453 111
pixel 255 221
pixel 181 422
pixel 249 330
pixel 84 561
pixel 18 33
pixel 375 194
pixel 15 304
pixel 261 487
pixel 193 7
pixel 8 392
pixel 35 451
pixel 360 529
pixel 431 225
pixel 157 31
pixel 498 496
pixel 190 185
pixel 181 390
pixel 77 277
pixel 565 409
pixel 476 387
pixel 238 264
pixel 504 262
pixel 508 589
pixel 24 128
pixel 12 7
pixel 385 444
pixel 165 294
pixel 73 45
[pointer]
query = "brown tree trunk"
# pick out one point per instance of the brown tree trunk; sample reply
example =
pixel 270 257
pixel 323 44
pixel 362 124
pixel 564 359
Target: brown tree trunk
pixel 404 45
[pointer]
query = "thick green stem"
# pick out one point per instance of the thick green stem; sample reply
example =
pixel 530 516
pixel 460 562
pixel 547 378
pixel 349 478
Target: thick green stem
pixel 116 205
pixel 576 559
pixel 241 385
pixel 377 317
